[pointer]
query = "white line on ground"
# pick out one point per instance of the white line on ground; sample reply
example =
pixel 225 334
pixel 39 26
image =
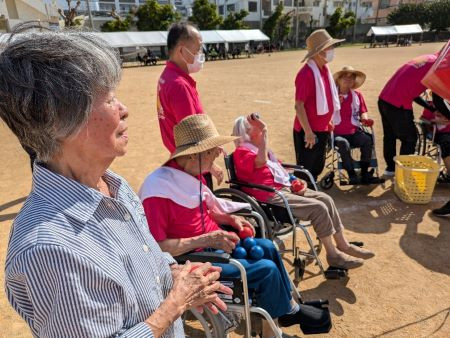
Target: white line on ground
pixel 262 101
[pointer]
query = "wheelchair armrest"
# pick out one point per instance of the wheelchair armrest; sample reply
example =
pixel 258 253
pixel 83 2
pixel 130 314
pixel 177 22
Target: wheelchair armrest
pixel 204 257
pixel 293 166
pixel 250 185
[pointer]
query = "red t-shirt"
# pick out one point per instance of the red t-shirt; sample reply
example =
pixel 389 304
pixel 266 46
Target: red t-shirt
pixel 346 127
pixel 429 115
pixel 244 165
pixel 168 220
pixel 177 97
pixel 405 85
pixel 305 91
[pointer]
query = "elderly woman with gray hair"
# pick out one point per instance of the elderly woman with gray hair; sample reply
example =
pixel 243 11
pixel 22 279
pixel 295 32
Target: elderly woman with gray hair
pixel 81 261
pixel 255 163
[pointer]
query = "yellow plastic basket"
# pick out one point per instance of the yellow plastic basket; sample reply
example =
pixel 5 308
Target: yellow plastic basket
pixel 415 178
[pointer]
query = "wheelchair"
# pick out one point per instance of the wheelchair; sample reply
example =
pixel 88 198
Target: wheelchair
pixel 241 306
pixel 334 162
pixel 426 145
pixel 280 221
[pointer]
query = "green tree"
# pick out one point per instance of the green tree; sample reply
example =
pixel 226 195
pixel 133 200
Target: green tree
pixel 283 27
pixel 269 27
pixel 340 22
pixel 406 14
pixel 204 15
pixel 155 17
pixel 439 15
pixel 235 20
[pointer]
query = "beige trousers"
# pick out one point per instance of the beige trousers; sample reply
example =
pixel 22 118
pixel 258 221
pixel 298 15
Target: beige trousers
pixel 314 206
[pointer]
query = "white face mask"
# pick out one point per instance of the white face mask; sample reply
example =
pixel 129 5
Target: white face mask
pixel 197 65
pixel 329 56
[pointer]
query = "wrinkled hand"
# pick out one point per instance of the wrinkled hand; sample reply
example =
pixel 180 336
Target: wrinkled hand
pixel 217 172
pixel 367 122
pixel 239 222
pixel 197 285
pixel 440 119
pixel 256 123
pixel 222 240
pixel 310 140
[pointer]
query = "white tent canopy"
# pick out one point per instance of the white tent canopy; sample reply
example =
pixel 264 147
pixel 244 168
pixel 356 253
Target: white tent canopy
pixel 159 38
pixel 395 30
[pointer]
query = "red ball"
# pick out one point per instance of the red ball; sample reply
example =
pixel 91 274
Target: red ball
pixel 297 185
pixel 245 232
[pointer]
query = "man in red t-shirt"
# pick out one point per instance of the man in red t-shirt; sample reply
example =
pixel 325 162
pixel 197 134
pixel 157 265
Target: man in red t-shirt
pixel 177 95
pixel 316 99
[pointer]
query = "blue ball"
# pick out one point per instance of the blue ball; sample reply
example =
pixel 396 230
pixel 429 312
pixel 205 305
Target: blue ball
pixel 256 253
pixel 249 243
pixel 239 253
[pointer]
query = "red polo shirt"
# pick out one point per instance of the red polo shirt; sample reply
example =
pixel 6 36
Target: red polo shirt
pixel 244 165
pixel 168 220
pixel 346 127
pixel 305 91
pixel 405 85
pixel 177 97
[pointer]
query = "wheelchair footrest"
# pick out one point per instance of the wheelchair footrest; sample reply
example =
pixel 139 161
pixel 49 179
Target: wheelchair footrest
pixel 335 273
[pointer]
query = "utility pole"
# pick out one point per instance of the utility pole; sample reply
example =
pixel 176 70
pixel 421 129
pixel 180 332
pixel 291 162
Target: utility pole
pixel 296 25
pixel 356 21
pixel 90 14
pixel 260 15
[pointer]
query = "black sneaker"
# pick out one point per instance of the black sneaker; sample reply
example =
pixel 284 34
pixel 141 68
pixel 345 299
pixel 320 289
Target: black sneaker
pixel 444 211
pixel 307 315
pixel 444 178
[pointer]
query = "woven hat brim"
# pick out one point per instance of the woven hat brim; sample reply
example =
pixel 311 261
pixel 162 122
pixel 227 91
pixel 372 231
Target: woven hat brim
pixel 360 77
pixel 205 145
pixel 331 42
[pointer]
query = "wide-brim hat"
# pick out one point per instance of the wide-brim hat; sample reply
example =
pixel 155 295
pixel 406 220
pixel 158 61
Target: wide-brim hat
pixel 318 41
pixel 195 134
pixel 360 77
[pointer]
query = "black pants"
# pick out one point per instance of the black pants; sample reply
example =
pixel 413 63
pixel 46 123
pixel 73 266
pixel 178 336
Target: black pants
pixel 312 159
pixel 398 123
pixel 443 139
pixel 345 143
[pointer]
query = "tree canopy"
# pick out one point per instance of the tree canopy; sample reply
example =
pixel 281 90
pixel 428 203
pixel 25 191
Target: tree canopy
pixel 204 15
pixel 155 17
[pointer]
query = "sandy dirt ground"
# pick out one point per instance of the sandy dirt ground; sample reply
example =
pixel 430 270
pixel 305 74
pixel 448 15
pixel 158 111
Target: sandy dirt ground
pixel 403 292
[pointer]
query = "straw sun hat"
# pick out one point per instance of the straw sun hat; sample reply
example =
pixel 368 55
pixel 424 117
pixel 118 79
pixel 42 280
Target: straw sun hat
pixel 195 134
pixel 318 41
pixel 360 77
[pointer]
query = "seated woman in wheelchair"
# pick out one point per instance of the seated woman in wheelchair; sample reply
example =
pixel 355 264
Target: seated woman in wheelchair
pixel 182 220
pixel 348 132
pixel 441 117
pixel 255 163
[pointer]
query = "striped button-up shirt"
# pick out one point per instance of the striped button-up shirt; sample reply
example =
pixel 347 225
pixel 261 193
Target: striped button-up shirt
pixel 80 264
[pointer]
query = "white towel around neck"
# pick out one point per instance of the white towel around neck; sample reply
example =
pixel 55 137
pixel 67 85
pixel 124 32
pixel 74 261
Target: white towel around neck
pixel 280 175
pixel 184 190
pixel 321 98
pixel 356 107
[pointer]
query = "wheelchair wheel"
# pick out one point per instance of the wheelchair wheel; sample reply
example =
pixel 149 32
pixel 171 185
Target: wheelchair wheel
pixel 239 196
pixel 327 181
pixel 421 145
pixel 194 322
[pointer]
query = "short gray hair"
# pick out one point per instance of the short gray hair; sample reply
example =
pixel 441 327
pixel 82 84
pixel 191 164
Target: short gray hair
pixel 49 82
pixel 240 128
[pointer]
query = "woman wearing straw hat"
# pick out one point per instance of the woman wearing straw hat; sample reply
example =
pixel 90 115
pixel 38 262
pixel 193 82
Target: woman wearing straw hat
pixel 347 125
pixel 316 98
pixel 183 215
